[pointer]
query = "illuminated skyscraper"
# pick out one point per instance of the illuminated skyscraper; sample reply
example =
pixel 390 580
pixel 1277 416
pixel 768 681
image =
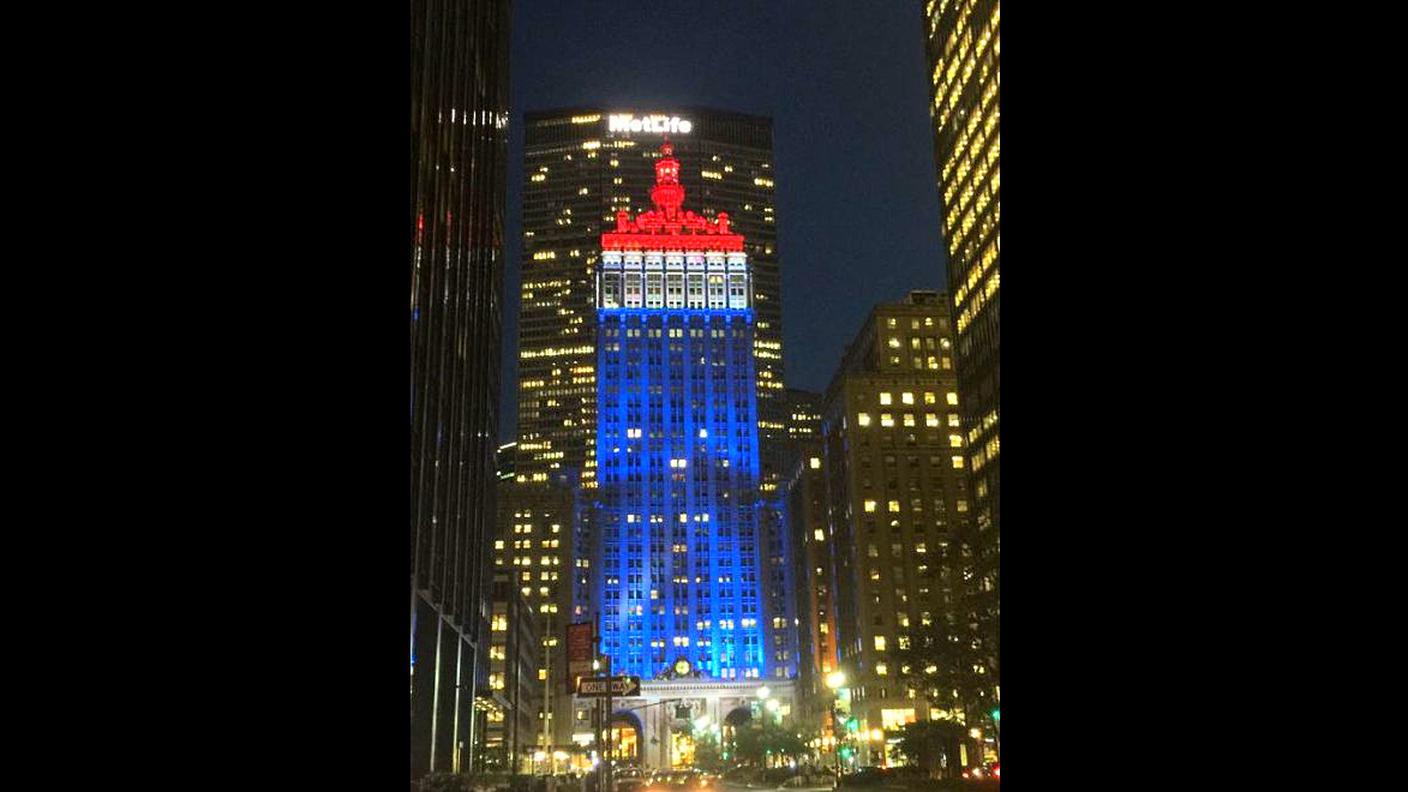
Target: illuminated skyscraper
pixel 454 235
pixel 680 546
pixel 963 49
pixel 579 169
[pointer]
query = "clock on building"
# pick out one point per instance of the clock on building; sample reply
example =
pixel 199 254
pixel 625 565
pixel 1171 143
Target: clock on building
pixel 682 667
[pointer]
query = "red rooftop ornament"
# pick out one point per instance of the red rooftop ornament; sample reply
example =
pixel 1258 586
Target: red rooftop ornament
pixel 665 227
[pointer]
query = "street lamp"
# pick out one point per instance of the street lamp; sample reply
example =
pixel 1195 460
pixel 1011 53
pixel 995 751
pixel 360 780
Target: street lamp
pixel 764 692
pixel 836 680
pixel 773 705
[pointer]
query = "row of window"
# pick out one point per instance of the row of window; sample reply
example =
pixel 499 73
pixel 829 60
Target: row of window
pixel 674 290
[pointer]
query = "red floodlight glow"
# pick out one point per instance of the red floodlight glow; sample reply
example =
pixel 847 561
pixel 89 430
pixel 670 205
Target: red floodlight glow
pixel 666 227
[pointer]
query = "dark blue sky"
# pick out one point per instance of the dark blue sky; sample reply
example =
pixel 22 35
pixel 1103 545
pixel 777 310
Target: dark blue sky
pixel 845 85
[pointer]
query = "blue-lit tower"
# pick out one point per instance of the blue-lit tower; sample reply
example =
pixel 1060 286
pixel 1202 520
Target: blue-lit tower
pixel 677 444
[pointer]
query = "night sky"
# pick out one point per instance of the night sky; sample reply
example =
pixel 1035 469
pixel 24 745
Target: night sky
pixel 845 84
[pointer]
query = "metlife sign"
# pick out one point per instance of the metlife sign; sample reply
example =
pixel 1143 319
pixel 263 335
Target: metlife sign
pixel 658 124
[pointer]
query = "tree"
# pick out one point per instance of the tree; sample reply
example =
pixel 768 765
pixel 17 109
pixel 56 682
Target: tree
pixel 755 744
pixel 926 742
pixel 707 756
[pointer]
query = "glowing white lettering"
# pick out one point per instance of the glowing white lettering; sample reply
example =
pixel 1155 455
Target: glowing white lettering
pixel 659 124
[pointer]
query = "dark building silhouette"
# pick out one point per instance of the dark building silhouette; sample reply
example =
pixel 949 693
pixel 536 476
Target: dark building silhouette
pixel 814 608
pixel 539 546
pixel 515 692
pixel 459 107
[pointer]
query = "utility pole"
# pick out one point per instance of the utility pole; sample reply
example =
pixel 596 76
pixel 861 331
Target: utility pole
pixel 602 726
pixel 610 770
pixel 547 698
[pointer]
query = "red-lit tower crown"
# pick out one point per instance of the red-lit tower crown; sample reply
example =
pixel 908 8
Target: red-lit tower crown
pixel 666 227
pixel 668 193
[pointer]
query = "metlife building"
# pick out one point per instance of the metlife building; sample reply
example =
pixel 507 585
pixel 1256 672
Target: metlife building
pixel 582 166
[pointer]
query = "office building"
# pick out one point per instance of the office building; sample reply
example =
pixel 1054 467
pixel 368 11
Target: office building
pixel 677 441
pixel 512 730
pixel 538 546
pixel 504 461
pixel 454 235
pixel 897 495
pixel 581 167
pixel 689 564
pixel 965 71
pixel 812 568
pixel 803 415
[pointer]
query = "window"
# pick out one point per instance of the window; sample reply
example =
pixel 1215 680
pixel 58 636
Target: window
pixel 958 463
pixel 870 504
pixel 863 419
pixel 931 419
pixel 955 441
pixel 886 419
pixel 894 506
pixel 952 398
pixel 885 399
pixel 879 643
pixel 929 397
pixel 907 397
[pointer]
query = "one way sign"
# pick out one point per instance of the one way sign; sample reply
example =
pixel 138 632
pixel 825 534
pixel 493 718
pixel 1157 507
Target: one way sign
pixel 608 686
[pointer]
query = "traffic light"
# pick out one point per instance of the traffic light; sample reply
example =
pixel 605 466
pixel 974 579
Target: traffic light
pixel 996 714
pixel 852 725
pixel 847 752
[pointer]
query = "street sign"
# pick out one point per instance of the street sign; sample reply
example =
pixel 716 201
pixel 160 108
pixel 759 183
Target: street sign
pixel 580 651
pixel 608 686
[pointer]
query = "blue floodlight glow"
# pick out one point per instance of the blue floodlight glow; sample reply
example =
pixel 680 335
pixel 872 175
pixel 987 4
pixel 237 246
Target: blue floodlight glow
pixel 681 543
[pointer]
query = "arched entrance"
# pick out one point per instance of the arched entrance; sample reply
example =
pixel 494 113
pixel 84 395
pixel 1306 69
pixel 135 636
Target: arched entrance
pixel 734 722
pixel 626 735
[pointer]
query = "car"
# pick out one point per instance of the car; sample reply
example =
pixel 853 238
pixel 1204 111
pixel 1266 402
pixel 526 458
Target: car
pixel 809 782
pixel 866 776
pixel 979 773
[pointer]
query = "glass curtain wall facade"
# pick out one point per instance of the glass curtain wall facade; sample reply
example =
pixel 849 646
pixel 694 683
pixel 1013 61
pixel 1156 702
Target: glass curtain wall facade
pixel 459 109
